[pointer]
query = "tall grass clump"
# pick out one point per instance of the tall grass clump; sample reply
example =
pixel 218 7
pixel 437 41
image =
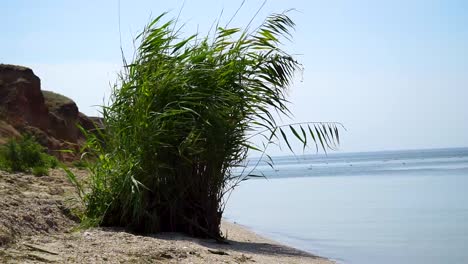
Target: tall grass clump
pixel 182 118
pixel 26 155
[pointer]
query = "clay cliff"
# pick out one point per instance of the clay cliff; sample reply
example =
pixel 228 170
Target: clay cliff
pixel 52 118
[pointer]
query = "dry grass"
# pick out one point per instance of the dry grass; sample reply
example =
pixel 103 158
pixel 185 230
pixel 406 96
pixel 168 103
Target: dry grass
pixel 54 100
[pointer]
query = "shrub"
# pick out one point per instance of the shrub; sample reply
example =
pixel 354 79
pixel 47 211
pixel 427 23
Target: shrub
pixel 11 157
pixel 26 155
pixel 182 118
pixel 80 164
pixel 40 171
pixel 53 161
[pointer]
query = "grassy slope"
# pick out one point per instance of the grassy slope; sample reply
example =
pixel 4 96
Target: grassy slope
pixel 55 100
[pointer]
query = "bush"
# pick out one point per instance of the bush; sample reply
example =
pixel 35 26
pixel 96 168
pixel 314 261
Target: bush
pixel 80 164
pixel 40 171
pixel 181 119
pixel 26 155
pixel 53 162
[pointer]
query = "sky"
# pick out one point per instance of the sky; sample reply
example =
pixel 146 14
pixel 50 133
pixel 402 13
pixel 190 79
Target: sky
pixel 394 73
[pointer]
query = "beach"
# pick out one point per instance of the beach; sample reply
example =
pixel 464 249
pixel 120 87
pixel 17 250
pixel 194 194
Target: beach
pixel 117 246
pixel 414 215
pixel 36 227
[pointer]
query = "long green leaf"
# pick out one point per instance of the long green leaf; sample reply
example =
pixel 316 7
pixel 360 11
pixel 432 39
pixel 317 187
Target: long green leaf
pixel 285 139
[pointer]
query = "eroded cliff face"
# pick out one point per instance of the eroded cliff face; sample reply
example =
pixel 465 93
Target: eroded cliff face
pixel 52 118
pixel 21 99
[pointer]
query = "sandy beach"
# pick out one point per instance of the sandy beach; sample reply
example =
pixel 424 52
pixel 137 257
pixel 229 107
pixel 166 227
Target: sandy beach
pixel 117 246
pixel 36 227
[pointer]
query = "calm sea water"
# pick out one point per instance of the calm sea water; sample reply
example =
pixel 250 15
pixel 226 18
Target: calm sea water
pixel 380 207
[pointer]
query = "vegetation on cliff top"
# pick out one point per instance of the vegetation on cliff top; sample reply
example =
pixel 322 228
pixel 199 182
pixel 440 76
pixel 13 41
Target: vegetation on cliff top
pixel 55 100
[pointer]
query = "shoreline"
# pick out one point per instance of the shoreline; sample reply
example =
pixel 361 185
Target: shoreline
pixel 112 245
pixel 240 233
pixel 35 228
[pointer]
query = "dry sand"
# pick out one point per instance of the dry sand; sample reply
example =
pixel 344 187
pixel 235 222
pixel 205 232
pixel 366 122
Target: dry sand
pixel 37 227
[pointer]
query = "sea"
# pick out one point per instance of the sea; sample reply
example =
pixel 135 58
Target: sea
pixel 375 207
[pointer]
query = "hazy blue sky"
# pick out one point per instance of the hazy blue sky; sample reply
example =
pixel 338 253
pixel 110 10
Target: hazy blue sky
pixel 395 73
